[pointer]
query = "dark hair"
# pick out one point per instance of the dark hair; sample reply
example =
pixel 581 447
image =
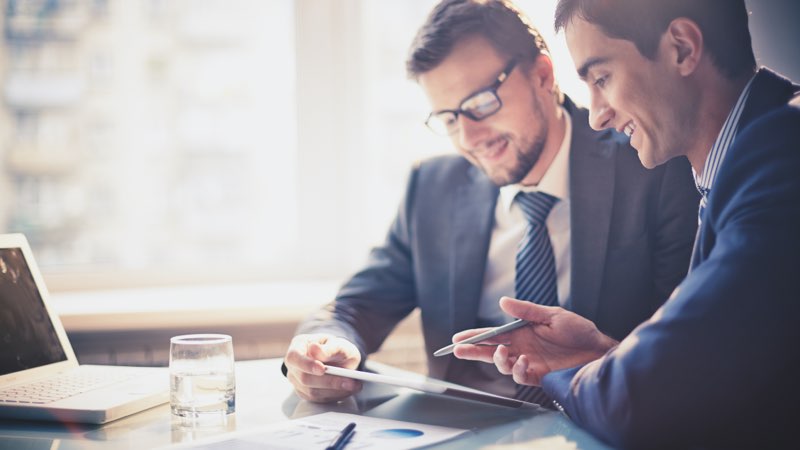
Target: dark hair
pixel 499 21
pixel 643 22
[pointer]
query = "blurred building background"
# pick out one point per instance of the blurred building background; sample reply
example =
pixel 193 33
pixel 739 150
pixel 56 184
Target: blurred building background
pixel 144 136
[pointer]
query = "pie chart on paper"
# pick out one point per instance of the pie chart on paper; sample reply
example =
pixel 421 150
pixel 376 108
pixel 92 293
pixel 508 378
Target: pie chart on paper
pixel 396 433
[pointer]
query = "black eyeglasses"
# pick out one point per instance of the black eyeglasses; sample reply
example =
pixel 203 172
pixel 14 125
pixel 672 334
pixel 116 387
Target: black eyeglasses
pixel 477 106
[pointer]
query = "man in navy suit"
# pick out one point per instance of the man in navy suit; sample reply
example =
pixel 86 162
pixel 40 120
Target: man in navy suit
pixel 621 240
pixel 717 366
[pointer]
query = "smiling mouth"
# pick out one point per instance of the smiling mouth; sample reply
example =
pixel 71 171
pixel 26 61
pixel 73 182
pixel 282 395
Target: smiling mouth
pixel 492 149
pixel 629 128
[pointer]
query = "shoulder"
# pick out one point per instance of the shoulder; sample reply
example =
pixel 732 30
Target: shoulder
pixel 768 146
pixel 445 169
pixel 769 132
pixel 772 137
pixel 761 168
pixel 441 162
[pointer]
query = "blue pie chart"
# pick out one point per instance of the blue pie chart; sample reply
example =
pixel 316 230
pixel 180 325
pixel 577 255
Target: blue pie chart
pixel 396 433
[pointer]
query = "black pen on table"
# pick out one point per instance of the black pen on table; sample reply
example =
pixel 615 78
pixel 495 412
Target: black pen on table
pixel 343 437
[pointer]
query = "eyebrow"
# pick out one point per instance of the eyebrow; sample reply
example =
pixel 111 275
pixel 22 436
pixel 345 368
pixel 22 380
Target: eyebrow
pixel 584 69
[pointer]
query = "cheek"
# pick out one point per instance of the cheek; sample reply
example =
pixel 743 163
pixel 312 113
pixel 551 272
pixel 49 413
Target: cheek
pixel 461 151
pixel 455 141
pixel 627 99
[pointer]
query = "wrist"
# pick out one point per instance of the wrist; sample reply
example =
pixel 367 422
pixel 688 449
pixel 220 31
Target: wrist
pixel 605 344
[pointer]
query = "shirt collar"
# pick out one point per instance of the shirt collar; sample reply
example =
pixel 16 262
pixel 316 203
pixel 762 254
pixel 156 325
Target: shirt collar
pixel 555 180
pixel 724 140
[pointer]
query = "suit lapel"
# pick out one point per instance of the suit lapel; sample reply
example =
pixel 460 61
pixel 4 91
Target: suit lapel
pixel 769 91
pixel 591 181
pixel 473 219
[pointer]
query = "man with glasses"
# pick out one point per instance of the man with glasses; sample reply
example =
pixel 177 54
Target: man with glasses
pixel 607 241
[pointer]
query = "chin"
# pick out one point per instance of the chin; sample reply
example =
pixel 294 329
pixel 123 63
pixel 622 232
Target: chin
pixel 648 164
pixel 648 160
pixel 500 180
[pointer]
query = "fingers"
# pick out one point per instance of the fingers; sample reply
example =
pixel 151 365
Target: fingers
pixel 306 360
pixel 503 360
pixel 466 334
pixel 298 358
pixel 473 352
pixel 324 388
pixel 522 372
pixel 528 371
pixel 527 310
pixel 519 371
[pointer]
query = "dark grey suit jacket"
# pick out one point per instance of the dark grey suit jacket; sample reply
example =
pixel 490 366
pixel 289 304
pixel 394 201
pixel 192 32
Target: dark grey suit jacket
pixel 632 235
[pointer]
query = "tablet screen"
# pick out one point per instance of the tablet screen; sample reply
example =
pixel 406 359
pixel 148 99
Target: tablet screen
pixel 430 385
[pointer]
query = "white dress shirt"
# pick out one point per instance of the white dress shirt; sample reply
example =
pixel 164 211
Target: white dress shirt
pixel 509 228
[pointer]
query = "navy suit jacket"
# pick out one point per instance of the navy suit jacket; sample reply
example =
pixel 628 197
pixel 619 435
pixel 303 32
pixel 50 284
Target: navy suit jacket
pixel 718 365
pixel 632 234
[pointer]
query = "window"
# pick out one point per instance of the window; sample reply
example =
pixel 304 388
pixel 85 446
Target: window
pixel 172 141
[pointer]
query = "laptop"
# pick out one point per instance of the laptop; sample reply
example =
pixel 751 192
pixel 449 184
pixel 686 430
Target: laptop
pixel 40 378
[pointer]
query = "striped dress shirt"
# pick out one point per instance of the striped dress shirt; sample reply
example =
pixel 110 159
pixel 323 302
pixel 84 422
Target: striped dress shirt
pixel 726 136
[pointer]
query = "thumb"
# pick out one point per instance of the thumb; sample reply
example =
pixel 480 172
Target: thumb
pixel 525 310
pixel 322 351
pixel 333 350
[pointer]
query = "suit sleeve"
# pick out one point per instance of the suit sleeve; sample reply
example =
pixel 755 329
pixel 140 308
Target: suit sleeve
pixel 371 303
pixel 717 365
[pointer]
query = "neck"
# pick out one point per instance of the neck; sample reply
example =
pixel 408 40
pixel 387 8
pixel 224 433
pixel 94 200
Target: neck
pixel 555 136
pixel 718 98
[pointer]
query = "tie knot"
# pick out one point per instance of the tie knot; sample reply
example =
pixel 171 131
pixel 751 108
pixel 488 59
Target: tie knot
pixel 536 206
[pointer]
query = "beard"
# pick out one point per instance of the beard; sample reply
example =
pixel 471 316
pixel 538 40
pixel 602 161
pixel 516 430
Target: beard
pixel 526 158
pixel 526 152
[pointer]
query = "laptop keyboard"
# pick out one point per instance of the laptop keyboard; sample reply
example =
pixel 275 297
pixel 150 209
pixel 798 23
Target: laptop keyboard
pixel 65 385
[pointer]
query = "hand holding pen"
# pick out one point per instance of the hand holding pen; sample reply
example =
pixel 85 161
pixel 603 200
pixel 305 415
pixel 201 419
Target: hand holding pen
pixel 482 337
pixel 557 339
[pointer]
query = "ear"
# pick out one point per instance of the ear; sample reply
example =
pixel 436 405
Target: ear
pixel 540 73
pixel 684 45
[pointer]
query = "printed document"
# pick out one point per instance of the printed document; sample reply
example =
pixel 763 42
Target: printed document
pixel 317 431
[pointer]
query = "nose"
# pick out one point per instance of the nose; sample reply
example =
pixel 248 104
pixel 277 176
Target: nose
pixel 600 114
pixel 470 132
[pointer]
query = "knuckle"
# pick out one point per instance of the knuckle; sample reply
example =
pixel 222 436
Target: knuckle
pixel 307 379
pixel 313 394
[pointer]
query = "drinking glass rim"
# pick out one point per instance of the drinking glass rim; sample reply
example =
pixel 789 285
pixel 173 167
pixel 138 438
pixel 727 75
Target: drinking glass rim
pixel 200 339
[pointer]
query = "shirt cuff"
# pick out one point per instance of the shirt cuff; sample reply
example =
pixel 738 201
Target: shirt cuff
pixel 558 385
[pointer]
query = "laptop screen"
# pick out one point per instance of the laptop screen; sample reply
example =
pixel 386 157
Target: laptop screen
pixel 28 338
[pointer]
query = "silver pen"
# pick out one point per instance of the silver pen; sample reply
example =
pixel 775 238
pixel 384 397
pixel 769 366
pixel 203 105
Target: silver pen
pixel 483 336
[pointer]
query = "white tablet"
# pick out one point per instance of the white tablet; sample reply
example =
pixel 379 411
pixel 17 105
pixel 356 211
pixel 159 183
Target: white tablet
pixel 431 386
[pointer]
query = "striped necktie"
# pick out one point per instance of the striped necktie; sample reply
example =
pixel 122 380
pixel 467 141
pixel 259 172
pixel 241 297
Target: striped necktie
pixel 536 279
pixel 536 266
pixel 703 201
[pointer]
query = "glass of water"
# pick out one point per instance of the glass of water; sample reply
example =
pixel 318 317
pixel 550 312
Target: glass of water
pixel 201 371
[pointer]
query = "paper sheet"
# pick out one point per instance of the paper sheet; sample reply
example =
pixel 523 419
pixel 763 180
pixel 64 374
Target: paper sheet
pixel 545 443
pixel 316 432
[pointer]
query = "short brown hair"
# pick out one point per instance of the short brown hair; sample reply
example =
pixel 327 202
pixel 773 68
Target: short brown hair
pixel 506 28
pixel 643 22
pixel 499 21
